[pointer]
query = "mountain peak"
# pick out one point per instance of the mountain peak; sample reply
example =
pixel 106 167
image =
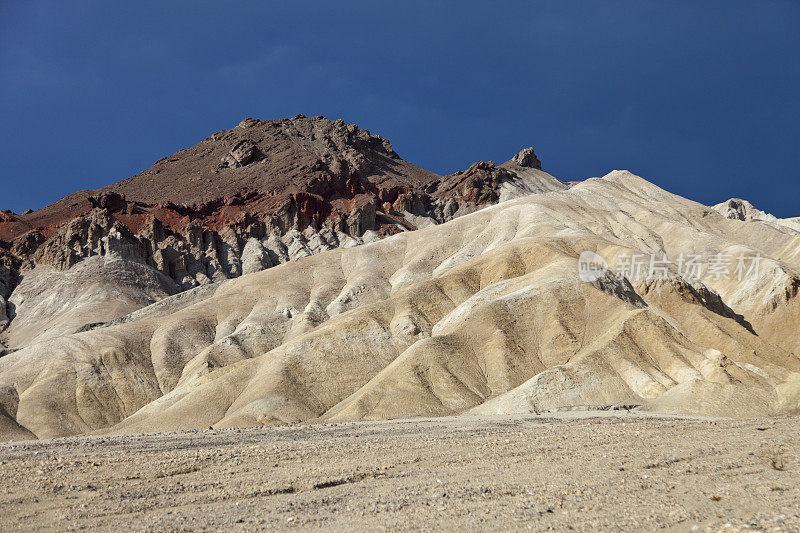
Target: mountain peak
pixel 738 209
pixel 194 212
pixel 527 158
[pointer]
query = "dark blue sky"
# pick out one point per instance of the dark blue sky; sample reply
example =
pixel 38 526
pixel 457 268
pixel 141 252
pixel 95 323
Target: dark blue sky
pixel 701 98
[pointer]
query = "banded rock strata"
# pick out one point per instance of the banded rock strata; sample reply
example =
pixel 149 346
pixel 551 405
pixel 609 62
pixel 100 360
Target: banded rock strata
pixel 240 201
pixel 480 309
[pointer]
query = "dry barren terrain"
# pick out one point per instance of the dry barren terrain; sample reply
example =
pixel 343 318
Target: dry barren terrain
pixel 486 313
pixel 580 470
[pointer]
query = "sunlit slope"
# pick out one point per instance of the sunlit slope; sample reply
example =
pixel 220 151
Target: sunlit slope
pixel 484 313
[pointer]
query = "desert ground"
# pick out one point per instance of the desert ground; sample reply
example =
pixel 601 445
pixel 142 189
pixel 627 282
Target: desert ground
pixel 581 470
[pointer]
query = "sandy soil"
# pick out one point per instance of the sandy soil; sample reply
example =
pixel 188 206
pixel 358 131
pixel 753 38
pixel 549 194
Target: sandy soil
pixel 566 470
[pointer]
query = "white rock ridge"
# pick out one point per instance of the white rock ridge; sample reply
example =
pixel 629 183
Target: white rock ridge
pixel 484 313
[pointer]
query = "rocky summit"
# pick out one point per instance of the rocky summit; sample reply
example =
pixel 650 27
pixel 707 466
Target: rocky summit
pixel 299 270
pixel 240 201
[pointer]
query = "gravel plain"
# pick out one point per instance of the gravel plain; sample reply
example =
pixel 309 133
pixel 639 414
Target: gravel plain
pixel 583 471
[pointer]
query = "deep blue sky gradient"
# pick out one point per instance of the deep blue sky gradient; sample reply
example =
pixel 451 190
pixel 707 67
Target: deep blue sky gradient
pixel 701 98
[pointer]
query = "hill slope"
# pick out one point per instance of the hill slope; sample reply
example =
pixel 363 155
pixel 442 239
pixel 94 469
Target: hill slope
pixel 484 313
pixel 240 201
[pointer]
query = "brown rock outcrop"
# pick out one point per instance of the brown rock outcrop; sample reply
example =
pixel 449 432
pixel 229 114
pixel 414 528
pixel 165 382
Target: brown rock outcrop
pixel 527 158
pixel 249 198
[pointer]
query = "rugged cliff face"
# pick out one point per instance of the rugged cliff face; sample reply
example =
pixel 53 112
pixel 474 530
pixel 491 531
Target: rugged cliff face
pixel 249 198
